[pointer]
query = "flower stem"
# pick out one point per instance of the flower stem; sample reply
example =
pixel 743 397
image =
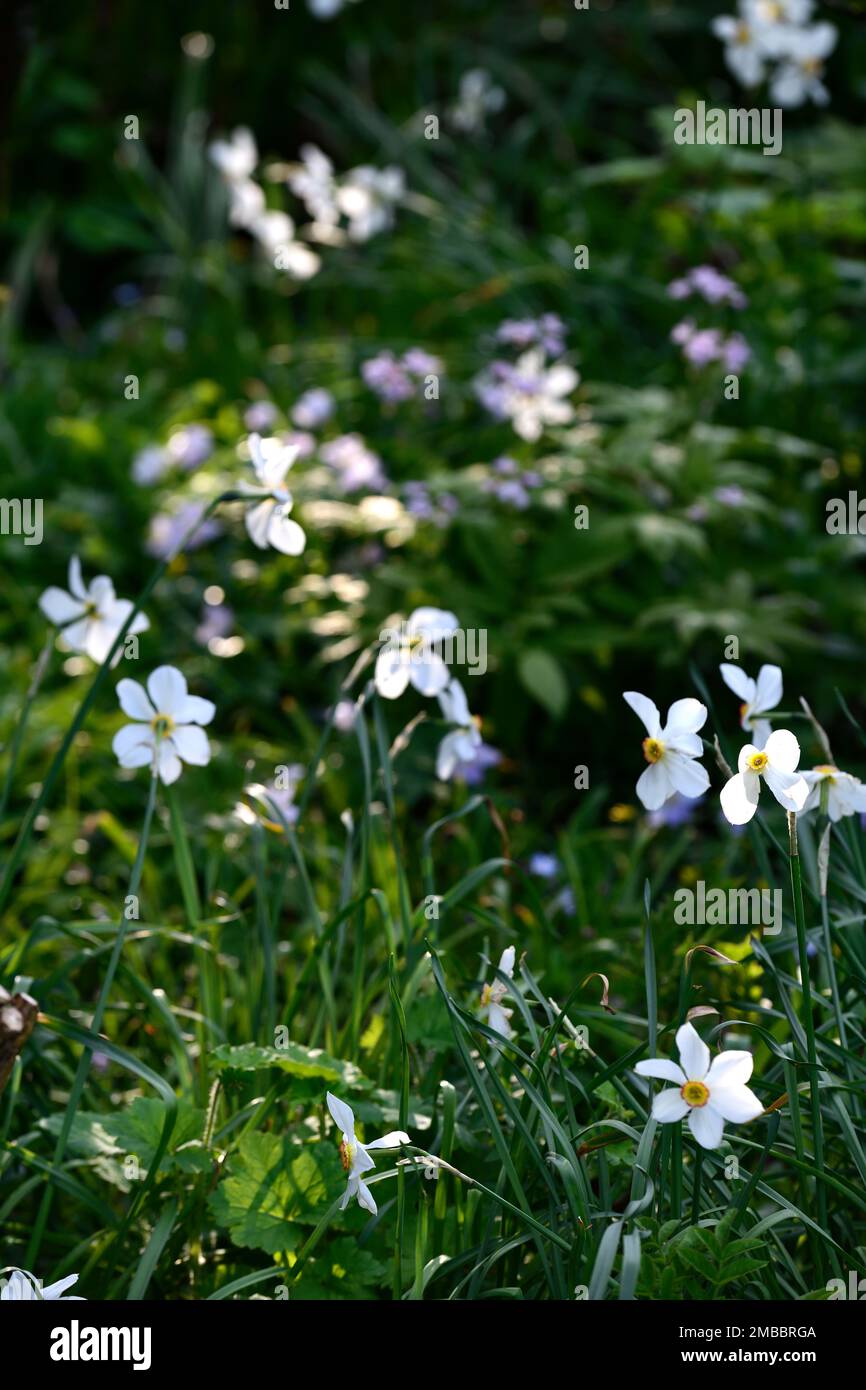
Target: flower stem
pixel 96 1026
pixel 17 738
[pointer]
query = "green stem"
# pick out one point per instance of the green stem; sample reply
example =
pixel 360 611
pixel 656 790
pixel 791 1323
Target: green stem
pixel 18 736
pixel 96 1027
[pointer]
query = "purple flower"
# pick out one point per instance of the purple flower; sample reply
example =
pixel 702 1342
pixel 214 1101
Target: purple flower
pixel 388 378
pixel 735 352
pixel 679 810
pixel 703 347
pixel 149 464
pixel 259 417
pixel 683 331
pixel 473 769
pixel 543 865
pixel 513 494
pixel 420 363
pixel 167 530
pixel 505 464
pixel 356 466
pixel 301 440
pixel 730 495
pixel 710 284
pixel 313 408
pixel 217 620
pixel 190 445
pixel 548 332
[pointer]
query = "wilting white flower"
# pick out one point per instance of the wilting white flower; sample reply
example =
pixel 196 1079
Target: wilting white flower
pixel 408 656
pixel 798 77
pixel 708 1093
pixel 670 751
pixel 237 157
pixel 277 801
pixel 461 744
pixel 745 49
pixel 534 394
pixel 844 795
pixel 269 522
pixel 167 731
pixel 477 97
pixel 367 197
pixel 355 1156
pixel 493 995
pixel 21 1287
pixel 776 765
pixel 759 697
pixel 89 618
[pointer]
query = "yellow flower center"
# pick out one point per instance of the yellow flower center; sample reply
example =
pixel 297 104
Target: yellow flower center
pixel 162 725
pixel 653 749
pixel 743 34
pixel 347 1154
pixel 827 770
pixel 695 1093
pixel 485 996
pixel 757 762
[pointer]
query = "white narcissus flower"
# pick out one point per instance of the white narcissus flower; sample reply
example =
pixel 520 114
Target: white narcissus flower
pixel 89 617
pixel 367 197
pixel 493 995
pixel 708 1094
pixel 275 232
pixel 670 751
pixel 744 47
pixel 408 656
pixel 167 732
pixel 534 394
pixel 355 1156
pixel 798 77
pixel 21 1287
pixel 759 697
pixel 776 765
pixel 269 522
pixel 461 744
pixel 237 157
pixel 842 794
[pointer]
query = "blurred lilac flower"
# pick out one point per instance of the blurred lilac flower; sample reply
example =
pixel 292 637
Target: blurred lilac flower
pixel 679 810
pixel 710 284
pixel 420 363
pixel 167 530
pixel 355 465
pixel 259 417
pixel 345 716
pixel 304 442
pixel 217 620
pixel 703 346
pixel 513 494
pixel 543 865
pixel 735 352
pixel 548 332
pixel 313 408
pixel 149 464
pixel 387 376
pixel 472 771
pixel 565 901
pixel 190 445
pixel 730 495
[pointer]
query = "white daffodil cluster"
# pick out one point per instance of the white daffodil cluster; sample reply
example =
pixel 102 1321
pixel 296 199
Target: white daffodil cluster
pixel 354 207
pixel 777 35
pixel 237 159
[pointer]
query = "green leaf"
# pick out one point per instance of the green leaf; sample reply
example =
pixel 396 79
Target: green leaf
pixel 273 1187
pixel 542 675
pixel 291 1058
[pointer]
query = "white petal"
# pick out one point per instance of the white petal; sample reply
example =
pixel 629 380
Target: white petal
pixel 739 798
pixel 76 635
pixel 166 687
pixel 448 756
pixel 663 1068
pixel 731 1068
pixel 645 711
pixel 669 1106
pixel 57 1290
pixel 133 745
pixel 343 1116
pixel 735 1103
pixel 783 750
pixel 690 744
pixel 497 1019
pixel 685 717
pixel 101 637
pixel 433 623
pixel 737 680
pixel 133 700
pixel 392 1140
pixel 76 582
pixel 284 534
pixel 506 962
pixel 694 1053
pixel 428 673
pixel 706 1125
pixel 392 672
pixel 60 607
pixel 169 764
pixel 365 1198
pixel 258 520
pixel 195 710
pixel 760 730
pixel 454 705
pixel 688 777
pixel 788 788
pixel 654 786
pixel 350 1192
pixel 191 743
pixel 769 689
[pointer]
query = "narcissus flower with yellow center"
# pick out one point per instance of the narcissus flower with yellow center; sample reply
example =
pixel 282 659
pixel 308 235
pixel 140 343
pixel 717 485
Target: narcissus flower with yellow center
pixel 167 733
pixel 269 523
pixel 670 751
pixel 776 765
pixel 835 791
pixel 355 1156
pixel 758 697
pixel 492 996
pixel 708 1093
pixel 89 616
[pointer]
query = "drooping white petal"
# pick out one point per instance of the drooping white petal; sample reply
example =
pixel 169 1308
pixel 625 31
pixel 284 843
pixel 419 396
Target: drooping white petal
pixel 454 705
pixel 760 730
pixel 737 680
pixel 645 710
pixel 134 701
pixel 365 1197
pixel 428 673
pixel 101 637
pixel 497 1019
pixel 768 693
pixel 392 672
pixel 258 520
pixel 739 797
pixel 788 788
pixel 449 755
pixel 783 750
pixel 76 581
pixel 694 1053
pixel 392 1140
pixel 662 1068
pixel 166 687
pixel 343 1116
pixel 191 744
pixel 685 717
pixel 706 1125
pixel 669 1106
pixel 284 534
pixel 169 765
pixel 735 1103
pixel 60 607
pixel 688 777
pixel 654 786
pixel 351 1190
